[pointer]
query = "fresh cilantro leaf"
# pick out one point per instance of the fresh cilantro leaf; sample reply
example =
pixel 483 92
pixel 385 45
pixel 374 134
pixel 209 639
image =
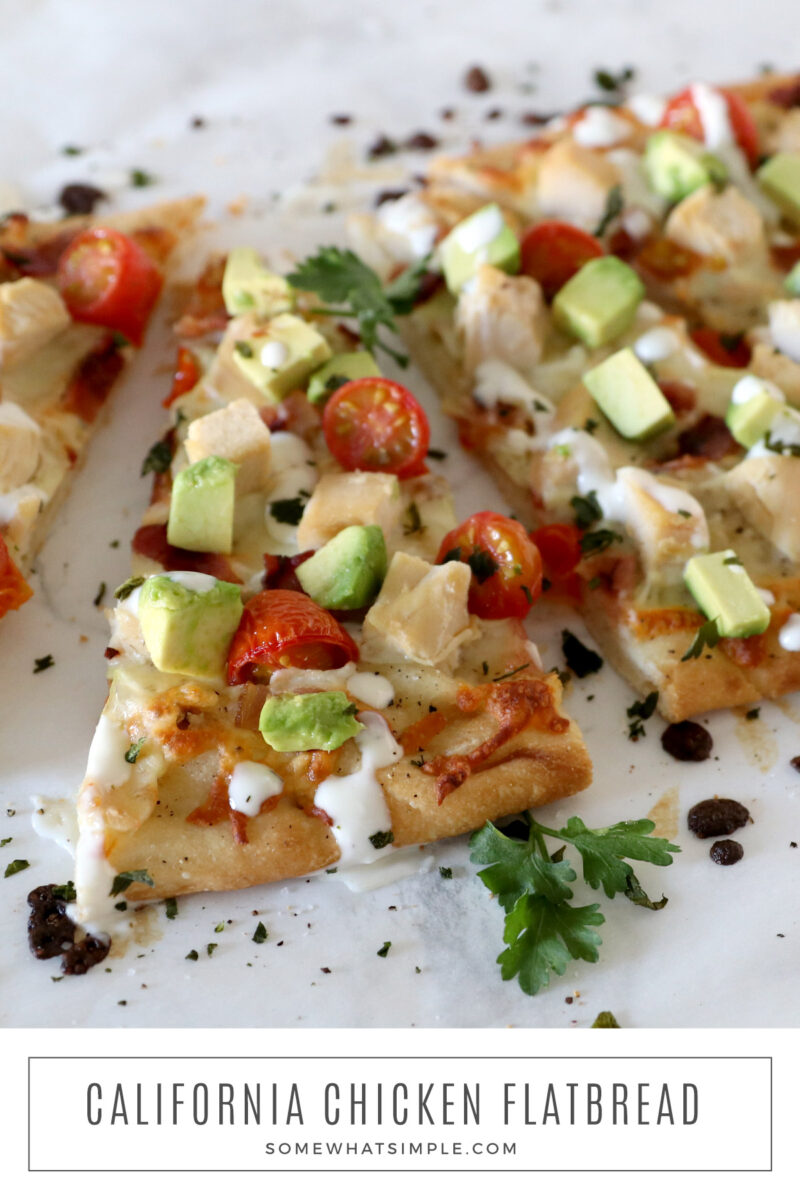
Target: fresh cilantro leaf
pixel 605 1020
pixel 288 511
pixel 604 850
pixel 614 206
pixel 587 510
pixel 125 878
pixel 382 838
pixel 171 908
pixel 260 934
pixel 130 585
pixel 158 458
pixel 482 565
pixel 134 750
pixel 598 541
pixel 579 658
pixel 516 867
pixel 402 292
pixel 13 868
pixel 543 937
pixel 707 635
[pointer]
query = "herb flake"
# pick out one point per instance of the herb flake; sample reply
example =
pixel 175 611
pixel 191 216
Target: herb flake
pixel 14 868
pixel 125 878
pixel 260 934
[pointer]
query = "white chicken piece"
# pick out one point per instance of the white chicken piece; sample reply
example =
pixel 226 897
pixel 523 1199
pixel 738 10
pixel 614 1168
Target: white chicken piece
pixel 502 317
pixel 18 512
pixel 768 363
pixel 719 224
pixel 784 326
pixel 31 314
pixel 766 489
pixel 667 523
pixel 350 498
pixel 237 433
pixel 573 183
pixel 420 613
pixel 20 446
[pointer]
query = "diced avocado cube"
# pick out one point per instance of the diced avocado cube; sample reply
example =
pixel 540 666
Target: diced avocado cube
pixel 201 506
pixel 627 394
pixel 249 287
pixel 348 571
pixel 725 593
pixel 780 179
pixel 316 721
pixel 481 238
pixel 281 356
pixel 792 280
pixel 676 166
pixel 600 301
pixel 188 629
pixel 755 404
pixel 342 368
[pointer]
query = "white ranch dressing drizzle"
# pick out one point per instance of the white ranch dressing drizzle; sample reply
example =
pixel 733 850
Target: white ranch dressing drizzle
pixel 411 219
pixel 767 596
pixel 646 108
pixel 784 327
pixel 712 109
pixel 193 581
pixel 94 877
pixel 368 686
pixel 372 688
pixel 785 428
pixel 291 472
pixel 107 766
pixel 495 380
pixel 600 126
pixel 56 820
pixel 789 636
pixel 480 230
pixel 750 386
pixel 250 785
pixel 657 344
pixel 356 803
pixel 400 864
pixel 274 354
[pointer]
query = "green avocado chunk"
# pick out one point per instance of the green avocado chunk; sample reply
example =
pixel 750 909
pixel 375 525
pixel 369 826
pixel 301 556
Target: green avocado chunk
pixel 780 179
pixel 755 405
pixel 249 287
pixel 281 356
pixel 201 506
pixel 725 593
pixel 359 364
pixel 348 571
pixel 627 394
pixel 599 302
pixel 483 237
pixel 792 280
pixel 676 166
pixel 188 630
pixel 317 721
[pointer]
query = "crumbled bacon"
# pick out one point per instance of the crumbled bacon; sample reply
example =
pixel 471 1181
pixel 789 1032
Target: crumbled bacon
pixel 151 542
pixel 95 377
pixel 786 95
pixel 681 397
pixel 708 438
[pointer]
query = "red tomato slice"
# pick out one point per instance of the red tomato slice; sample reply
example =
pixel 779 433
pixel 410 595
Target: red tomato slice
pixel 726 352
pixel 184 377
pixel 560 548
pixel 682 115
pixel 554 251
pixel 506 566
pixel 377 425
pixel 281 628
pixel 14 589
pixel 106 279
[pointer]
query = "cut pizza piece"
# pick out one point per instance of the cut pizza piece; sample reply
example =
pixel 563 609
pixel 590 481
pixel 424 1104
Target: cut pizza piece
pixel 298 677
pixel 617 337
pixel 75 298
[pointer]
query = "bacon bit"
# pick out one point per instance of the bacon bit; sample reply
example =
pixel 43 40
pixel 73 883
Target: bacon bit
pixel 787 95
pixel 38 260
pixel 205 312
pixel 185 376
pixel 95 377
pixel 745 652
pixel 322 764
pixel 514 704
pixel 708 438
pixel 151 542
pixel 320 814
pixel 684 462
pixel 667 260
pixel 417 736
pixel 785 257
pixel 681 397
pixel 239 825
pixel 110 652
pixel 217 807
pixel 622 244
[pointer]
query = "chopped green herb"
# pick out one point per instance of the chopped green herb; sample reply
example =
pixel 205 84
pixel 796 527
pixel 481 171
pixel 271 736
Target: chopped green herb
pixel 594 582
pixel 158 458
pixel 482 565
pixel 65 891
pixel 140 178
pixel 609 81
pixel 413 521
pixel 779 447
pixel 707 635
pixel 5 841
pixel 579 658
pixel 13 868
pixel 417 762
pixel 682 512
pixel 384 950
pixel 122 906
pixel 590 424
pixel 732 561
pixel 605 1020
pixel 528 593
pixel 244 349
pixel 210 948
pixel 614 206
pixel 193 955
pixel 564 677
pixel 485 667
pixel 260 934
pixel 331 870
pixel 130 585
pixel 639 712
pixel 101 591
pixel 436 455
pixel 71 151
pixel 587 510
pixel 381 839
pixel 134 750
pixel 220 927
pixel 753 714
pixel 171 908
pixel 115 544
pixel 43 663
pixel 125 878
pixel 288 511
pixel 597 541
pixel 446 872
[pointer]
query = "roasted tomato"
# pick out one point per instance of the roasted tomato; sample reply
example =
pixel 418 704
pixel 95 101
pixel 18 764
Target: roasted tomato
pixel 280 628
pixel 376 425
pixel 184 377
pixel 724 349
pixel 682 115
pixel 106 279
pixel 554 251
pixel 560 548
pixel 506 566
pixel 14 590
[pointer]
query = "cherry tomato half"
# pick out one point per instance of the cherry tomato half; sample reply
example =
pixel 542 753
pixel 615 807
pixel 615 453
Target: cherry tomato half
pixel 14 590
pixel 106 279
pixel 725 351
pixel 280 628
pixel 374 424
pixel 506 566
pixel 560 548
pixel 554 251
pixel 682 115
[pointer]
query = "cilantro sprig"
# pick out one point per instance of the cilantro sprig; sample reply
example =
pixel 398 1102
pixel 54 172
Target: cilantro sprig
pixel 544 931
pixel 341 279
